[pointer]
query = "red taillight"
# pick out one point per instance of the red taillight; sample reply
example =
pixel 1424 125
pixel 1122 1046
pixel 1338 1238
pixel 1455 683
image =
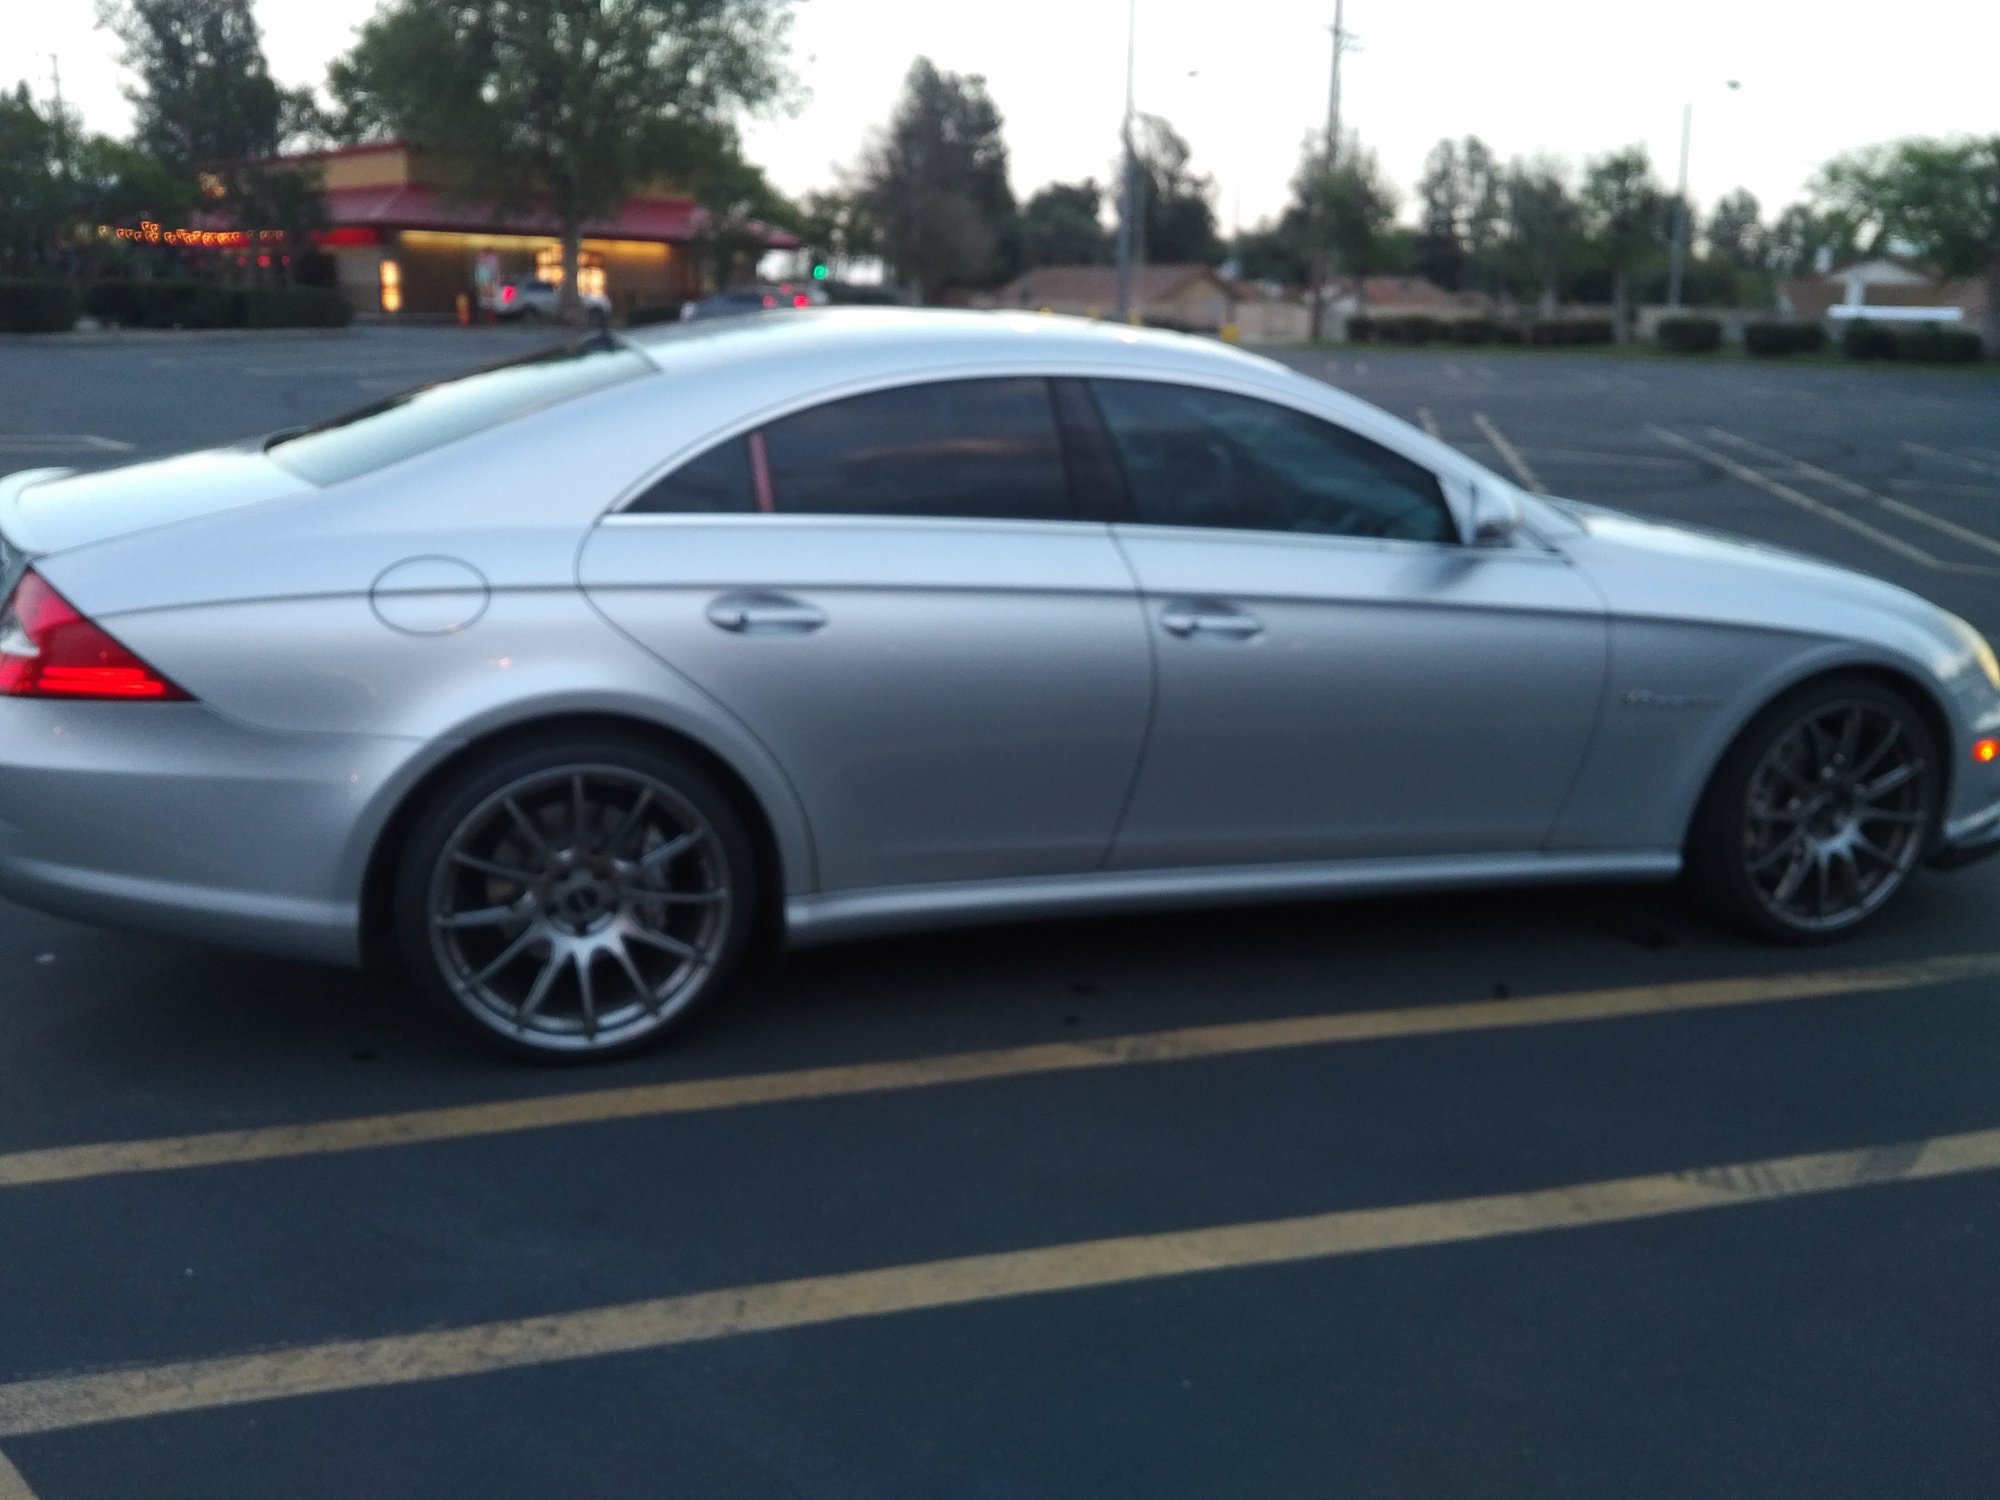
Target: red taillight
pixel 48 650
pixel 506 294
pixel 769 300
pixel 800 299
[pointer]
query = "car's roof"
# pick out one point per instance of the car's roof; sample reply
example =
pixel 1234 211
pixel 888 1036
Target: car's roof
pixel 931 337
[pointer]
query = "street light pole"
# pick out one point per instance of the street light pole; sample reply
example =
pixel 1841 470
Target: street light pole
pixel 1127 207
pixel 1677 266
pixel 1323 257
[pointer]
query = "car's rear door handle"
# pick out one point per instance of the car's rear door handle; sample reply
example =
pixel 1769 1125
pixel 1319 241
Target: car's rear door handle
pixel 1188 620
pixel 765 614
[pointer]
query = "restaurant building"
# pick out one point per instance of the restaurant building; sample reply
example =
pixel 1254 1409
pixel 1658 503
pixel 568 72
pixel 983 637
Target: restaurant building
pixel 403 244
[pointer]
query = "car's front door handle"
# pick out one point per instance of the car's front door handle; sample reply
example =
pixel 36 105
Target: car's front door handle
pixel 764 614
pixel 1188 620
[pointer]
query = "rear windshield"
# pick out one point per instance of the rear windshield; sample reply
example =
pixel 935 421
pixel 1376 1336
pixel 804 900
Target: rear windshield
pixel 432 415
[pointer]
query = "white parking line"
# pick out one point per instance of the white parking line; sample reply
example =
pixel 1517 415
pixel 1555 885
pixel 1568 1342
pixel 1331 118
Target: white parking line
pixel 12 1485
pixel 1430 423
pixel 40 442
pixel 1924 451
pixel 1509 452
pixel 1946 487
pixel 1799 466
pixel 1791 496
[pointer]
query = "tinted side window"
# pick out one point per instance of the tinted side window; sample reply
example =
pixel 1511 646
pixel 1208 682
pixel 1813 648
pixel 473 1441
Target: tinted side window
pixel 954 448
pixel 1207 458
pixel 718 480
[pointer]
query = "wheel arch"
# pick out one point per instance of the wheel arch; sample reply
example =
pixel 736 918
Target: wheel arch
pixel 377 883
pixel 1898 679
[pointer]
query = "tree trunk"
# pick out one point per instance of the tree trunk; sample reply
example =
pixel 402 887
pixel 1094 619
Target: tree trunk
pixel 567 306
pixel 1621 308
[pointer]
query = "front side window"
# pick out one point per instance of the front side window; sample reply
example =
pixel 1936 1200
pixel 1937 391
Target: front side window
pixel 956 448
pixel 1207 458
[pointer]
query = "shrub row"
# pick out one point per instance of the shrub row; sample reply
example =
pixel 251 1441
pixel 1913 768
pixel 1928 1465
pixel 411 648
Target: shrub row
pixel 206 304
pixel 37 307
pixel 1690 335
pixel 1424 328
pixel 1777 336
pixel 1926 343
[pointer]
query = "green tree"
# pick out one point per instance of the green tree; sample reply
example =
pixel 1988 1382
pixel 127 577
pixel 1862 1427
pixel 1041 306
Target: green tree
pixel 577 103
pixel 33 203
pixel 1622 214
pixel 1736 230
pixel 1460 214
pixel 935 183
pixel 205 106
pixel 1176 211
pixel 1801 236
pixel 1060 226
pixel 1350 208
pixel 835 227
pixel 1941 197
pixel 1542 233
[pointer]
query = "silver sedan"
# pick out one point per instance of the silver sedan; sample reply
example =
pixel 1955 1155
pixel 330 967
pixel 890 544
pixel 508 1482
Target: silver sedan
pixel 566 682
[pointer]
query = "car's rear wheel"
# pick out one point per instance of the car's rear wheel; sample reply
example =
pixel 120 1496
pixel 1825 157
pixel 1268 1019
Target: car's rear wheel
pixel 575 900
pixel 1819 813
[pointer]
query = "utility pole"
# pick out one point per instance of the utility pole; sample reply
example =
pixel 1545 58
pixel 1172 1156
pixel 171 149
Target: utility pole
pixel 1127 180
pixel 1323 264
pixel 62 126
pixel 1679 261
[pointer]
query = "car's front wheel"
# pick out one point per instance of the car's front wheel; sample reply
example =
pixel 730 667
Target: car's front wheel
pixel 575 899
pixel 1819 813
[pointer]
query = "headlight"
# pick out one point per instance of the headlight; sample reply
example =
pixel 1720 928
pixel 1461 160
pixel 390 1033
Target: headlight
pixel 1981 649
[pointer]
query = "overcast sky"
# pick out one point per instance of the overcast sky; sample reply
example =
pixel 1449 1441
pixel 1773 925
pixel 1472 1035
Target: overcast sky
pixel 1244 80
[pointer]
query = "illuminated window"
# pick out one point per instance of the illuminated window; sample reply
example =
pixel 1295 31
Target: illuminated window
pixel 589 270
pixel 392 287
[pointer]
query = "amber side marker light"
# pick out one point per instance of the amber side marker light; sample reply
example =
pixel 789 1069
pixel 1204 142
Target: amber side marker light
pixel 1986 751
pixel 48 650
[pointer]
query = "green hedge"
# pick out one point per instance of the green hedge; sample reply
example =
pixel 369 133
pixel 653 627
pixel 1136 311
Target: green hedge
pixel 207 304
pixel 1778 336
pixel 1862 339
pixel 1690 334
pixel 1931 344
pixel 1569 331
pixel 37 307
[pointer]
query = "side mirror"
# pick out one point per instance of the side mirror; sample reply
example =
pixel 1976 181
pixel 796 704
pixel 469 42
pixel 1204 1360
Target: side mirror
pixel 1496 517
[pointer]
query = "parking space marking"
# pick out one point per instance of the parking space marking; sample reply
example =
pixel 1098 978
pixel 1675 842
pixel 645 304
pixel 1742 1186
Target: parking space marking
pixel 36 442
pixel 1429 422
pixel 1958 460
pixel 1791 496
pixel 1798 466
pixel 63 1402
pixel 1508 452
pixel 1945 487
pixel 1189 1044
pixel 12 1485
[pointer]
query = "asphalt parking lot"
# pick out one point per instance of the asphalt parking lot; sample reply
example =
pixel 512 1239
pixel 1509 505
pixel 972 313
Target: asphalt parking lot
pixel 1545 1194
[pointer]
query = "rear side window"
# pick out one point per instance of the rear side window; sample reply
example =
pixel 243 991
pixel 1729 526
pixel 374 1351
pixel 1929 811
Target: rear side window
pixel 719 480
pixel 956 448
pixel 432 415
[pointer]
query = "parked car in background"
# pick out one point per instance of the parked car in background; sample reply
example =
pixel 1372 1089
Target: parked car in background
pixel 750 299
pixel 530 299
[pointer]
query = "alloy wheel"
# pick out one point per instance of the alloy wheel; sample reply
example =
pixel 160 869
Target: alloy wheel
pixel 578 909
pixel 1836 814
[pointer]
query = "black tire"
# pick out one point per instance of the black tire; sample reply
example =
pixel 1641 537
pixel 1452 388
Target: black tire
pixel 1787 791
pixel 584 857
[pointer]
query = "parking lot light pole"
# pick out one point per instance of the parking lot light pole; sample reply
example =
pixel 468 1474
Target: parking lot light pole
pixel 1677 267
pixel 1127 194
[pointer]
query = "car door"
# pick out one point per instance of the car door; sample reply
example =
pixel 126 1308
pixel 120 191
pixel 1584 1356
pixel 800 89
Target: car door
pixel 1338 676
pixel 894 591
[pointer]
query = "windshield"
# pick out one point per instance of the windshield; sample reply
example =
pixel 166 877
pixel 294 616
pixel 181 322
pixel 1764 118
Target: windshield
pixel 442 412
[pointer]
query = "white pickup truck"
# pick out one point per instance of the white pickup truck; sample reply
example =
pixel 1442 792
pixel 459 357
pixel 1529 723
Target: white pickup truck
pixel 530 298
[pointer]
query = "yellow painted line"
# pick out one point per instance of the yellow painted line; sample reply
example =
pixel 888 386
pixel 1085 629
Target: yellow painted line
pixel 1923 451
pixel 1509 452
pixel 278 1142
pixel 12 1485
pixel 62 1402
pixel 1430 423
pixel 1791 496
pixel 1847 486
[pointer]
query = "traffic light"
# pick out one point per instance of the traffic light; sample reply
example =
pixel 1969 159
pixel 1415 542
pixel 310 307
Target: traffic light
pixel 819 270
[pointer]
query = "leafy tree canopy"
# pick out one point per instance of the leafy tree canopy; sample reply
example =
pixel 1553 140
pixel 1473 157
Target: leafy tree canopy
pixel 1060 226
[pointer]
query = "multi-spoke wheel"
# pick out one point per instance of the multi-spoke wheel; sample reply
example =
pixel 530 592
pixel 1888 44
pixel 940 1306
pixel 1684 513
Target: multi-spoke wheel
pixel 1820 812
pixel 575 901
